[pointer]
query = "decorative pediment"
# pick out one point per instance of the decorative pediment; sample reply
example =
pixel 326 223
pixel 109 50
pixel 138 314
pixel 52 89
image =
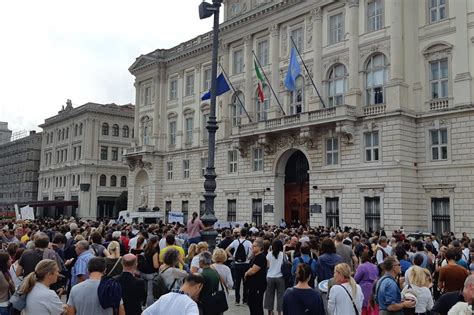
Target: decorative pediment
pixel 142 61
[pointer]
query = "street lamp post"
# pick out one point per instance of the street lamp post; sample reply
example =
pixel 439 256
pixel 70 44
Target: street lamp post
pixel 206 10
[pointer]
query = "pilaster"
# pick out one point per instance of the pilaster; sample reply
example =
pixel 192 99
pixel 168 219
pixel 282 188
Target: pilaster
pixel 353 95
pixel 317 64
pixel 248 67
pixel 225 99
pixel 274 45
pixel 136 141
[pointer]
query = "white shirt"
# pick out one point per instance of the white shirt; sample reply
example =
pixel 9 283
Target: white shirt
pixel 247 245
pixel 133 243
pixel 225 273
pixel 195 263
pixel 42 300
pixel 340 303
pixel 274 270
pixel 173 303
pixel 424 299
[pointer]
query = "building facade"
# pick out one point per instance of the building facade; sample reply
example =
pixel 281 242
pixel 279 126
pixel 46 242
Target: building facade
pixel 19 166
pixel 387 145
pixel 5 133
pixel 81 159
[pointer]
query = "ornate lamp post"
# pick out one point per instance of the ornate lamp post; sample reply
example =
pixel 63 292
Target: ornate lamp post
pixel 206 10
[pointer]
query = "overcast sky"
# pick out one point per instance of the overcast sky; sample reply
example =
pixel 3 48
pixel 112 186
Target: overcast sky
pixel 54 50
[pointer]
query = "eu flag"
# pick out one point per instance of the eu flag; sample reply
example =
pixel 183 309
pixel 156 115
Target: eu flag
pixel 222 87
pixel 294 71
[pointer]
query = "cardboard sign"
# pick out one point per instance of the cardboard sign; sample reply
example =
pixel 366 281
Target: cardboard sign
pixel 27 213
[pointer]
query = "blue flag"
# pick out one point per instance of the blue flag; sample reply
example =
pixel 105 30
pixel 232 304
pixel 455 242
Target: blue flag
pixel 222 87
pixel 294 71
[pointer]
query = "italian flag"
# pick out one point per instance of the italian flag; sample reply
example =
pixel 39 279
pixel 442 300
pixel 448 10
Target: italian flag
pixel 261 96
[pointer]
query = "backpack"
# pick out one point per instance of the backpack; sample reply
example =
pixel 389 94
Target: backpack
pixel 109 293
pixel 240 253
pixel 309 263
pixel 159 286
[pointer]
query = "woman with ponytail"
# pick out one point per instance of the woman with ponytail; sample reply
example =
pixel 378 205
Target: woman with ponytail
pixel 302 299
pixel 6 283
pixel 194 228
pixel 39 298
pixel 345 296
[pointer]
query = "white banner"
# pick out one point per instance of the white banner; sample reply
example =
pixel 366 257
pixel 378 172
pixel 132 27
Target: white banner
pixel 17 212
pixel 175 217
pixel 27 213
pixel 220 224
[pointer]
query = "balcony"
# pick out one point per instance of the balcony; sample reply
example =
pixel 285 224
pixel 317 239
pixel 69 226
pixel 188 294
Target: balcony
pixel 140 150
pixel 373 110
pixel 439 103
pixel 317 117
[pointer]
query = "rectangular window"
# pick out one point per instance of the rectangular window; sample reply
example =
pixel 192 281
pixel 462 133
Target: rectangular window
pixel 297 35
pixel 332 151
pixel 172 133
pixel 173 89
pixel 74 149
pixel 257 156
pixel 439 144
pixel 114 154
pixel 336 28
pixel 231 210
pixel 257 211
pixel 374 15
pixel 189 84
pixel 332 212
pixel 440 215
pixel 207 80
pixel 185 169
pixel 147 95
pixel 205 133
pixel 104 153
pixel 237 62
pixel 189 122
pixel 169 168
pixel 168 206
pixel 371 144
pixel 202 207
pixel 232 155
pixel 185 210
pixel 439 78
pixel 262 52
pixel 79 154
pixel 437 10
pixel 203 166
pixel 372 213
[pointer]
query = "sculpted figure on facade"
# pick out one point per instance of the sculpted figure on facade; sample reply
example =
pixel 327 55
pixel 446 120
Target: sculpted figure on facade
pixel 143 198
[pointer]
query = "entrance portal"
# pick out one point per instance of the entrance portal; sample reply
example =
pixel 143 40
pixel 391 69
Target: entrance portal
pixel 297 189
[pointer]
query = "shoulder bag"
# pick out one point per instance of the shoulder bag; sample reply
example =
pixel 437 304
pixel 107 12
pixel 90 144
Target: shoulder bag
pixel 216 303
pixel 352 300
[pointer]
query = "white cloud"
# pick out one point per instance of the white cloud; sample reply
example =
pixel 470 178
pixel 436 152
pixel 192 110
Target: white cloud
pixel 53 50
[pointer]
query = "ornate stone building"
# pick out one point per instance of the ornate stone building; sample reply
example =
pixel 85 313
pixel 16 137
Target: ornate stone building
pixel 390 145
pixel 81 159
pixel 19 165
pixel 5 133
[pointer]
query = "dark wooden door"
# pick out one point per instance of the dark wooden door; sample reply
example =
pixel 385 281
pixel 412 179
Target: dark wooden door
pixel 297 202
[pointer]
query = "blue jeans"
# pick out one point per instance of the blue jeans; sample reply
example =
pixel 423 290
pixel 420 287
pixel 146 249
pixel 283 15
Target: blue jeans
pixel 240 270
pixel 4 310
pixel 149 288
pixel 194 240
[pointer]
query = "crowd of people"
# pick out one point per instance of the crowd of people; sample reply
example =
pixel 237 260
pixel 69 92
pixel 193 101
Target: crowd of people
pixel 71 266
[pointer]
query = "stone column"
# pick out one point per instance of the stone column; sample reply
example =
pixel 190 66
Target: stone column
pixel 274 44
pixel 249 86
pixel 317 70
pixel 353 94
pixel 135 141
pixel 460 61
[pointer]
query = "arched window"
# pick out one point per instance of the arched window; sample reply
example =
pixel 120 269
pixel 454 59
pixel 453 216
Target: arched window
pixel 236 108
pixel 125 132
pixel 376 77
pixel 113 181
pixel 105 129
pixel 261 108
pixel 337 85
pixel 103 180
pixel 296 96
pixel 115 130
pixel 123 181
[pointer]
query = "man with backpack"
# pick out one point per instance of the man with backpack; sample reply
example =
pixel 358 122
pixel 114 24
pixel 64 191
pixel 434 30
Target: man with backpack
pixel 133 288
pixel 84 297
pixel 242 250
pixel 305 258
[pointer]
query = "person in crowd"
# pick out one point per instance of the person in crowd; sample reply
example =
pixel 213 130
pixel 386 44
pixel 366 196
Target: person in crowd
pixel 402 257
pixel 59 241
pixel 7 286
pixel 84 299
pixel 345 296
pixel 226 240
pixel 182 302
pixel 219 257
pixel 192 251
pixel 302 299
pixel 417 261
pixel 419 284
pixel 200 248
pixel 448 300
pixel 452 276
pixel 96 245
pixel 140 245
pixel 14 266
pixel 387 291
pixel 79 271
pixel 419 249
pixel 170 244
pixel 327 260
pixel 39 298
pixel 275 280
pixel 148 265
pixel 240 249
pixel 366 276
pixel 172 275
pixel 113 262
pixel 133 289
pixel 194 228
pixel 305 258
pixel 211 280
pixel 345 251
pixel 255 277
pixel 383 250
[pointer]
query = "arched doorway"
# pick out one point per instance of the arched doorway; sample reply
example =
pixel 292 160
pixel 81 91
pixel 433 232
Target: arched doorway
pixel 297 189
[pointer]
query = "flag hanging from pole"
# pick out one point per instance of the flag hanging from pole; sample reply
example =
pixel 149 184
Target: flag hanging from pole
pixel 294 70
pixel 261 96
pixel 222 87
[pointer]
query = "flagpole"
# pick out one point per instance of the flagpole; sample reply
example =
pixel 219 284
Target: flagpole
pixel 268 81
pixel 235 92
pixel 309 75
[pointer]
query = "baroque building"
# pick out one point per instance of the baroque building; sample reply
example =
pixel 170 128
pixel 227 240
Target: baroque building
pixel 82 172
pixel 388 145
pixel 5 133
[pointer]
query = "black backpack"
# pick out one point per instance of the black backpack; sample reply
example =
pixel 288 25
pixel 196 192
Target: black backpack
pixel 240 253
pixel 313 276
pixel 159 286
pixel 109 293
